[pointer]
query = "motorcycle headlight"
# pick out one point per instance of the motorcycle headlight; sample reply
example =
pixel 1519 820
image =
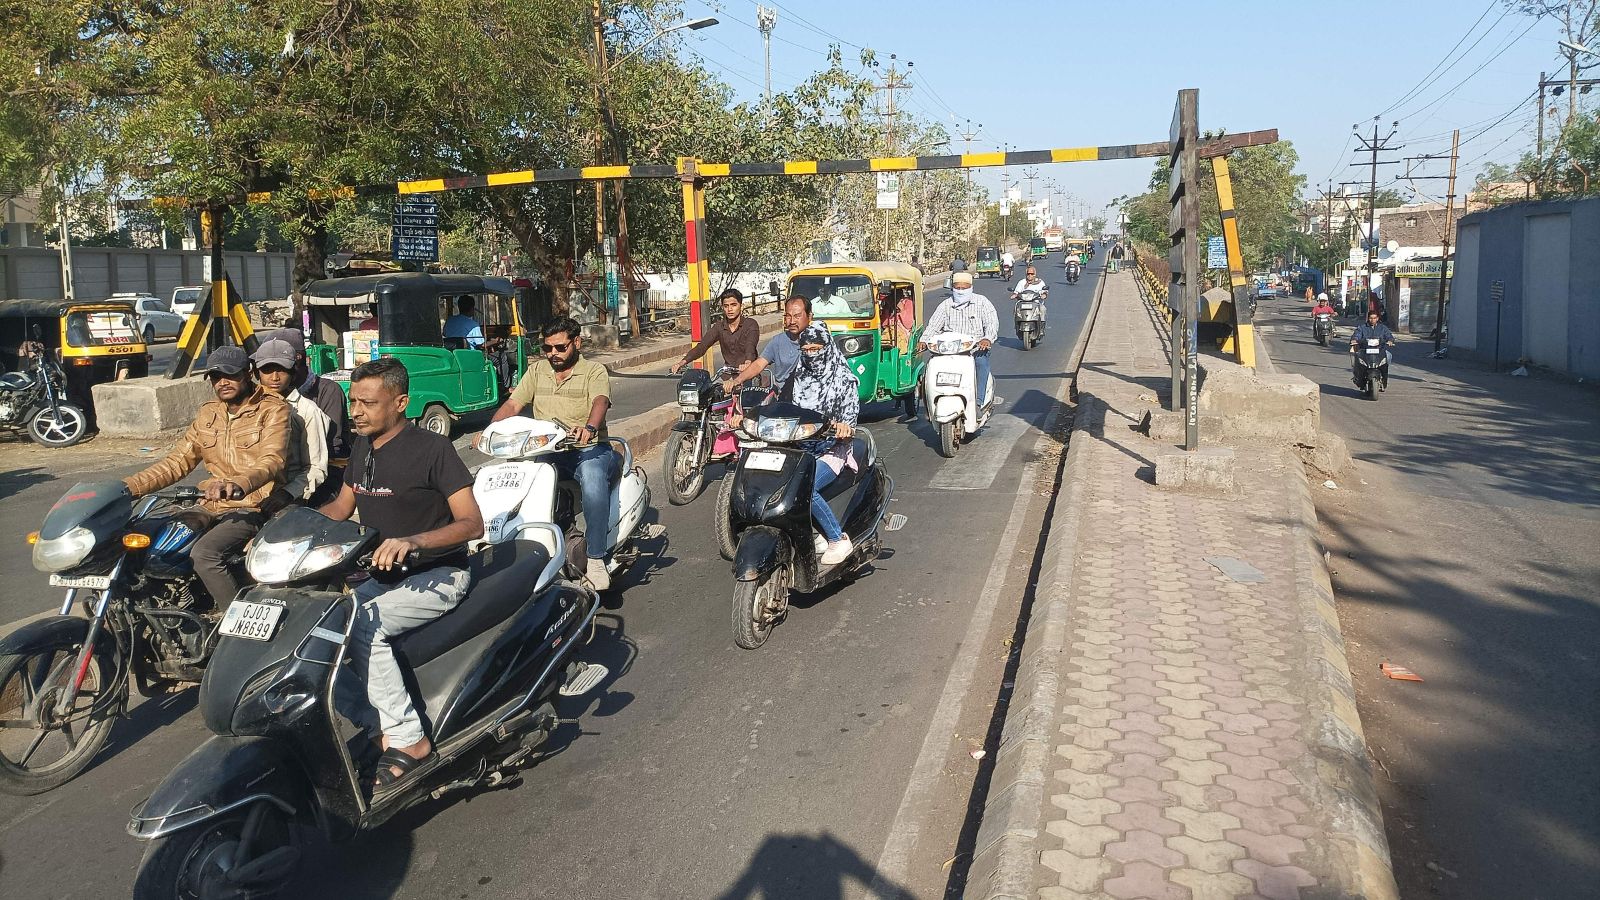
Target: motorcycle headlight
pixel 690 397
pixel 779 430
pixel 287 561
pixel 64 552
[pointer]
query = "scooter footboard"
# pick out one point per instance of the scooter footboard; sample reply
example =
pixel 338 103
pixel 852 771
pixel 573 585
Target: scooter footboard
pixel 222 775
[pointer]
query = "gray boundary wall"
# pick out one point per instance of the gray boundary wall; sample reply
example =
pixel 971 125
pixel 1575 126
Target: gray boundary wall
pixel 99 272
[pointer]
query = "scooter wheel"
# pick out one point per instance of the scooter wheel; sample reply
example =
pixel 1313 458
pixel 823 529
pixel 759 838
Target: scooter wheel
pixel 727 541
pixel 195 862
pixel 949 438
pixel 757 606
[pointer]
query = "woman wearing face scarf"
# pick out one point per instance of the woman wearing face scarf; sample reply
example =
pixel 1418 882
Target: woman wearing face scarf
pixel 823 383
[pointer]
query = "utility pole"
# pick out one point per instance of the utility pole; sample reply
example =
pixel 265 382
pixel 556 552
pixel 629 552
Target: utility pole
pixel 600 138
pixel 892 81
pixel 1539 144
pixel 1444 264
pixel 766 19
pixel 967 136
pixel 1374 146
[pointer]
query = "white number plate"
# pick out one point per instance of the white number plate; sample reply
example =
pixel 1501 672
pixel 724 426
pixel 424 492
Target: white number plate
pixel 947 379
pixel 503 481
pixel 765 461
pixel 92 582
pixel 1373 350
pixel 255 621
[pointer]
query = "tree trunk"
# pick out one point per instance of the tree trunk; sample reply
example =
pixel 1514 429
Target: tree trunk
pixel 310 256
pixel 546 257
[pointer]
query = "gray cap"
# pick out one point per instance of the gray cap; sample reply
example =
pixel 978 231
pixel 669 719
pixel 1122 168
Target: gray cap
pixel 229 360
pixel 278 352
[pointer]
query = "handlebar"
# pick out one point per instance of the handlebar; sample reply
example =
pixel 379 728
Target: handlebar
pixel 412 558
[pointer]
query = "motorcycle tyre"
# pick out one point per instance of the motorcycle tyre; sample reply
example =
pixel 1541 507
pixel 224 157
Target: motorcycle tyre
pixel 680 444
pixel 748 633
pixel 22 782
pixel 727 541
pixel 164 861
pixel 1372 388
pixel 69 413
pixel 949 438
pixel 1323 339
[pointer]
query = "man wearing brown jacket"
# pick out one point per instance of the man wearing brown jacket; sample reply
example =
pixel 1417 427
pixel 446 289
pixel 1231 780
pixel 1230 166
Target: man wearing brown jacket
pixel 241 437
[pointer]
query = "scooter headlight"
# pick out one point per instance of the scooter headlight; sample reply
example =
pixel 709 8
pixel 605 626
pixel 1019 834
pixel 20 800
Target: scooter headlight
pixel 64 552
pixel 778 430
pixel 287 561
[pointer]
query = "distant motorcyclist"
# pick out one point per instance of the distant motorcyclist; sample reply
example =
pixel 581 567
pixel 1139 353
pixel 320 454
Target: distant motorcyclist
pixel 971 314
pixel 1323 307
pixel 1363 333
pixel 1032 282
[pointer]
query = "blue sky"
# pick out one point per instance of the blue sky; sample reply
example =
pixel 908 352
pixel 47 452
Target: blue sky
pixel 1069 73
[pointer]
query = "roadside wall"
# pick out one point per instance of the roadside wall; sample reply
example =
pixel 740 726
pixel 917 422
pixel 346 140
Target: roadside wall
pixel 99 272
pixel 1538 257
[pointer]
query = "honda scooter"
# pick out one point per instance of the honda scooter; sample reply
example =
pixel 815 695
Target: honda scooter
pixel 949 386
pixel 1322 327
pixel 778 548
pixel 1372 368
pixel 1074 270
pixel 1028 316
pixel 486 676
pixel 523 487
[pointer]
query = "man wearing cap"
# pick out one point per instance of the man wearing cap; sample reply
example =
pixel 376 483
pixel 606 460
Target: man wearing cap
pixel 241 436
pixel 329 397
pixel 305 462
pixel 967 313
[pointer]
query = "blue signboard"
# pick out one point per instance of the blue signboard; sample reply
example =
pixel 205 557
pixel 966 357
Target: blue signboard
pixel 415 227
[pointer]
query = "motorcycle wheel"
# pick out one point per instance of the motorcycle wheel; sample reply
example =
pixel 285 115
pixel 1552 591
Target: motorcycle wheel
pixel 949 438
pixel 685 475
pixel 727 541
pixel 70 742
pixel 752 605
pixel 63 428
pixel 193 864
pixel 1322 339
pixel 1372 387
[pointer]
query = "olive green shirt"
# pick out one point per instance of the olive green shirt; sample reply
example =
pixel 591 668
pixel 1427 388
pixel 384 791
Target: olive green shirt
pixel 568 402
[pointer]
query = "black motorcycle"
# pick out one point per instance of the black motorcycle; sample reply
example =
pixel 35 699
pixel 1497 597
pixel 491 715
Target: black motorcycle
pixel 486 676
pixel 1074 270
pixel 34 400
pixel 147 619
pixel 1005 271
pixel 778 548
pixel 1322 327
pixel 1372 368
pixel 702 436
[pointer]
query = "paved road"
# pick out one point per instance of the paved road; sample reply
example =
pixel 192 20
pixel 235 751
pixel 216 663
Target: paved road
pixel 1468 555
pixel 702 770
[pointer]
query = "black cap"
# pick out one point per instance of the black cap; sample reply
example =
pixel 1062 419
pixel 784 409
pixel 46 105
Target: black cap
pixel 228 360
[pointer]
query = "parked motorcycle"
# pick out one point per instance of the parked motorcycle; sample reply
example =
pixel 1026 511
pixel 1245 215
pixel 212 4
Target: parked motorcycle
pixel 1322 328
pixel 1074 270
pixel 771 514
pixel 522 489
pixel 1372 368
pixel 486 677
pixel 34 400
pixel 949 385
pixel 1028 316
pixel 147 618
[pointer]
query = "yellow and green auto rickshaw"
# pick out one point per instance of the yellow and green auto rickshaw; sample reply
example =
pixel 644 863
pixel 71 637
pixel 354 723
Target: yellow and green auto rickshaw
pixel 95 342
pixel 988 262
pixel 1037 248
pixel 874 312
pixel 402 314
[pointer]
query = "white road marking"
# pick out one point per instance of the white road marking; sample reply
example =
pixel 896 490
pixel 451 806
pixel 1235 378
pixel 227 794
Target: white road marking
pixel 976 465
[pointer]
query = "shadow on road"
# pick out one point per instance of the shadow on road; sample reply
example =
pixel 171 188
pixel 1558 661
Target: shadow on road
pixel 809 867
pixel 15 482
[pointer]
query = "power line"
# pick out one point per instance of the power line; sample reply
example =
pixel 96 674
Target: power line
pixel 807 24
pixel 1475 73
pixel 1424 82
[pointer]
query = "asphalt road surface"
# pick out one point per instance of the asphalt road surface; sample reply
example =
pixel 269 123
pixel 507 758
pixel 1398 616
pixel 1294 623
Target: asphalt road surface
pixel 833 762
pixel 1464 549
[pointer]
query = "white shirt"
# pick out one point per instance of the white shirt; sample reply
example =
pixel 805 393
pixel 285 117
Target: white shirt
pixel 1008 259
pixel 306 460
pixel 1037 287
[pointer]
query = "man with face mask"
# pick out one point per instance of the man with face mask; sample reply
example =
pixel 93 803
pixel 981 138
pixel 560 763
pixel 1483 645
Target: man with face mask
pixel 967 313
pixel 573 392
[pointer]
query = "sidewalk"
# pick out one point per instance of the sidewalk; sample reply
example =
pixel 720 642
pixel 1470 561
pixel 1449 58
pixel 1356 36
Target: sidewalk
pixel 1176 732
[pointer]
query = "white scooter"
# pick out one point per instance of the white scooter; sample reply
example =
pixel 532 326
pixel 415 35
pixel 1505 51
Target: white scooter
pixel 524 491
pixel 949 389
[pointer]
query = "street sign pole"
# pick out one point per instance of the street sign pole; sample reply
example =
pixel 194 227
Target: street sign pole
pixel 1183 227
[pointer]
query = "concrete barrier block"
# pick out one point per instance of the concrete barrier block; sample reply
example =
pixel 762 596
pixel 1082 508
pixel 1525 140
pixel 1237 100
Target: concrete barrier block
pixel 1207 467
pixel 601 337
pixel 145 407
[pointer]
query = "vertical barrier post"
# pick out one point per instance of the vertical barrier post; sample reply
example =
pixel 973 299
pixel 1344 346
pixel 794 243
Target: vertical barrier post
pixel 1244 342
pixel 697 267
pixel 1183 227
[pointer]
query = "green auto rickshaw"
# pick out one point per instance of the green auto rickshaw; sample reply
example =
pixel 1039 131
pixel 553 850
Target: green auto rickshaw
pixel 1037 248
pixel 988 262
pixel 874 312
pixel 402 314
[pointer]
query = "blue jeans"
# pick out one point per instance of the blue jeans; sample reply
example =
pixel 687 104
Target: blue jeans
pixel 821 512
pixel 596 469
pixel 980 364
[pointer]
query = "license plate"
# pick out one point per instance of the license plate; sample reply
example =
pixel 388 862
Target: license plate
pixel 255 621
pixel 92 582
pixel 503 481
pixel 765 461
pixel 947 379
pixel 1373 350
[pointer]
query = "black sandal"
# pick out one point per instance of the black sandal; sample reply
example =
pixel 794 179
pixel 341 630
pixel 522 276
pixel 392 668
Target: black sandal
pixel 386 780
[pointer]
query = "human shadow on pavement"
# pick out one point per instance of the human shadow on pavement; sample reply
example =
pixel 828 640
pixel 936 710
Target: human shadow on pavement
pixel 13 483
pixel 810 867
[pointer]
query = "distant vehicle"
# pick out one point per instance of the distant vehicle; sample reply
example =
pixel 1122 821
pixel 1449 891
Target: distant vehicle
pixel 184 299
pixel 1054 239
pixel 156 319
pixel 1037 249
pixel 1265 290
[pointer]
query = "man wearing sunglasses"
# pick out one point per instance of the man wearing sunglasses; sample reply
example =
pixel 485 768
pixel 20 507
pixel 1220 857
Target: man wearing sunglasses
pixel 575 393
pixel 242 438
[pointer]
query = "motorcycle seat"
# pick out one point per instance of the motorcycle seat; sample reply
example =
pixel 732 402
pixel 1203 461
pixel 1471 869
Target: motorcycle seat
pixel 15 381
pixel 865 450
pixel 504 576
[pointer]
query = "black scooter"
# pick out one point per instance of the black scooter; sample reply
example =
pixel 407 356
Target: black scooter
pixel 485 678
pixel 1074 270
pixel 771 516
pixel 1005 271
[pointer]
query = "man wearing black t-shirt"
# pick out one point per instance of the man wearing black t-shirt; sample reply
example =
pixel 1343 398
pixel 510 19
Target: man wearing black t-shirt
pixel 412 487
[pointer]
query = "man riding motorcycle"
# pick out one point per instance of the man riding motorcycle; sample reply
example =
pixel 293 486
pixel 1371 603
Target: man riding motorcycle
pixel 1371 329
pixel 242 437
pixel 1032 282
pixel 968 313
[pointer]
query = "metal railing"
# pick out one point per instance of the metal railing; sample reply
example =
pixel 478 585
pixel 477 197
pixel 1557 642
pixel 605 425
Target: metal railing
pixel 664 319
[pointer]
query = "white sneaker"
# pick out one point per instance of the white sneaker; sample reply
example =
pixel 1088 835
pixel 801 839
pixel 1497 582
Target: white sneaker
pixel 598 577
pixel 819 543
pixel 838 552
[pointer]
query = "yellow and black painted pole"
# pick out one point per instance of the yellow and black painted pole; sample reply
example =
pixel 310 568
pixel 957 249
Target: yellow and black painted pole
pixel 1244 342
pixel 219 318
pixel 694 237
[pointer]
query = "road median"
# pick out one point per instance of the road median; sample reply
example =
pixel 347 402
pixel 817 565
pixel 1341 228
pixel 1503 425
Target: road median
pixel 1183 722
